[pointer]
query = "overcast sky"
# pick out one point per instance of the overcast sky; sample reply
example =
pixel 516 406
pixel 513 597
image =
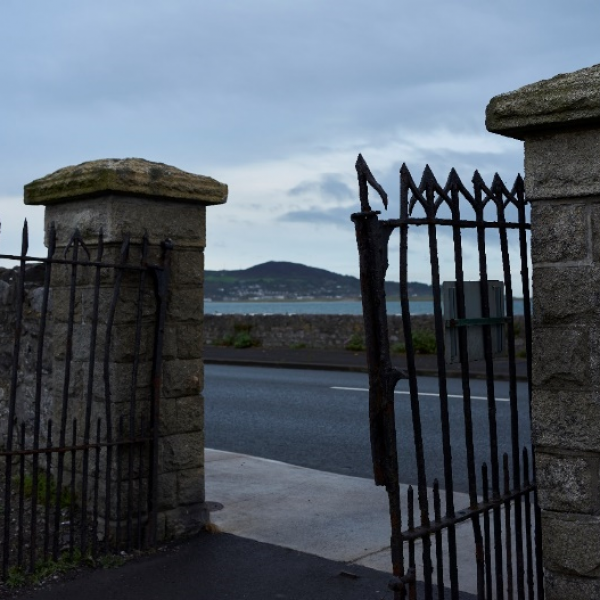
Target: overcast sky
pixel 275 98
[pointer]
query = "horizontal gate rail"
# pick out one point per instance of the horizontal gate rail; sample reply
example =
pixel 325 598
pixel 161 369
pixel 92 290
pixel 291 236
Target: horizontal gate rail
pixel 81 262
pixel 460 516
pixel 76 447
pixel 460 223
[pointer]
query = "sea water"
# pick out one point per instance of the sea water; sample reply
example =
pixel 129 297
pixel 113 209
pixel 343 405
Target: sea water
pixel 333 307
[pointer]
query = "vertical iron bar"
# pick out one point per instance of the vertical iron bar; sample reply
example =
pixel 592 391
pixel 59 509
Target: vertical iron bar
pixel 508 530
pixel 124 254
pixel 13 398
pixel 538 540
pixel 162 286
pixel 456 187
pixel 72 492
pixel 119 460
pixel 524 255
pixel 479 205
pixel 520 191
pixel 512 370
pixel 75 240
pixel 431 187
pixel 487 533
pixel 87 424
pixel 107 541
pixel 38 395
pixel 439 549
pixel 141 471
pixel 48 497
pixel 133 394
pixel 406 185
pixel 21 518
pixel 528 529
pixel 95 515
pixel 412 590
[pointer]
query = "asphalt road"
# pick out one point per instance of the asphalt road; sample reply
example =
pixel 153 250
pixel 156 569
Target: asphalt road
pixel 319 419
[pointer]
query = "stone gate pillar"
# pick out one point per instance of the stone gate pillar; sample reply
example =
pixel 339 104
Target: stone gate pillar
pixel 559 121
pixel 135 197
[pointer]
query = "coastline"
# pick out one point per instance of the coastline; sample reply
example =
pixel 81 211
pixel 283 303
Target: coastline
pixel 419 305
pixel 325 300
pixel 318 299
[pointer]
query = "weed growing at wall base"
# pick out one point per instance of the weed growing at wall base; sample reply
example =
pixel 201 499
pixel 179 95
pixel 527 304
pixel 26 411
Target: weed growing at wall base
pixel 423 343
pixel 50 570
pixel 46 490
pixel 240 338
pixel 355 343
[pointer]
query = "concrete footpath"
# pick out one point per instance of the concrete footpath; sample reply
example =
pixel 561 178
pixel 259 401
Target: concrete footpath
pixel 280 532
pixel 337 517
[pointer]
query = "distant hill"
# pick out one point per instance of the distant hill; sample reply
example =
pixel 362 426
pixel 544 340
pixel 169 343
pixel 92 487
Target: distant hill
pixel 275 280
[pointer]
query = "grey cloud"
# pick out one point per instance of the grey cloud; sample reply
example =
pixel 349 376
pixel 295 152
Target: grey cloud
pixel 339 215
pixel 465 164
pixel 330 185
pixel 233 80
pixel 441 164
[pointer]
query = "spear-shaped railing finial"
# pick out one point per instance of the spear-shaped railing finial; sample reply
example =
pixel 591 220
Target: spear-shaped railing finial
pixel 365 178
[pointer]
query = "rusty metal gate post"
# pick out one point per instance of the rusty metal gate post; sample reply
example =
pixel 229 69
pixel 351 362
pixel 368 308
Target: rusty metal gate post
pixel 372 240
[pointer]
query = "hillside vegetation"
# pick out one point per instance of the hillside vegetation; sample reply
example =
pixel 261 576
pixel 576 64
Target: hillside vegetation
pixel 277 280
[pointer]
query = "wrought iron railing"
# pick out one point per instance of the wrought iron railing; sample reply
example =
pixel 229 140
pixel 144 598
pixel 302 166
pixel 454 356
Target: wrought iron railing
pixel 78 472
pixel 500 499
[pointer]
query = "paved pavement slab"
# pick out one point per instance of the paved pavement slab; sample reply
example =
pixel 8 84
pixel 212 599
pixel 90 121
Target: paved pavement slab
pixel 333 516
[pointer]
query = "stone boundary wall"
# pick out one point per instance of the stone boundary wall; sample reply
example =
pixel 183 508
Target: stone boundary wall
pixel 310 331
pixel 289 331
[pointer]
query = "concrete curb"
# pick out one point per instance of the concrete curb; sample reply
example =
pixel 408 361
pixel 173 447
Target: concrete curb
pixel 339 367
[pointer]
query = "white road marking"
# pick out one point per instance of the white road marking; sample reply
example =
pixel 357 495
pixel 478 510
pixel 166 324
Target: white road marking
pixel 406 393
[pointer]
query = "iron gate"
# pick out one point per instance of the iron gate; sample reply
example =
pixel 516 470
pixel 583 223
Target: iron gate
pixel 79 466
pixel 472 321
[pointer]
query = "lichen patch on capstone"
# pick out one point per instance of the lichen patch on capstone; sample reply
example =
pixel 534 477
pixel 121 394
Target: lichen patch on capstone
pixel 566 100
pixel 129 176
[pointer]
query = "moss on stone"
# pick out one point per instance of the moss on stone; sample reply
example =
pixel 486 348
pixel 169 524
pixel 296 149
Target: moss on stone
pixel 129 176
pixel 567 100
